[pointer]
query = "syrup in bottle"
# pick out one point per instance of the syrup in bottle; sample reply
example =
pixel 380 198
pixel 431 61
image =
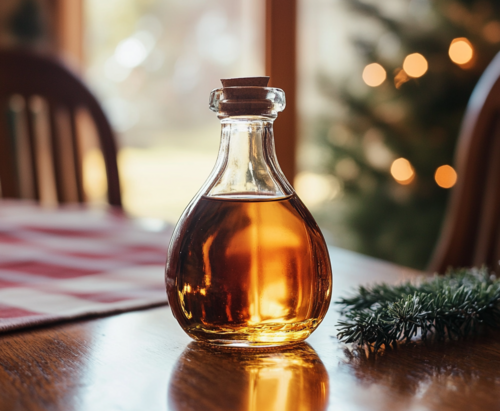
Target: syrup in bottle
pixel 247 264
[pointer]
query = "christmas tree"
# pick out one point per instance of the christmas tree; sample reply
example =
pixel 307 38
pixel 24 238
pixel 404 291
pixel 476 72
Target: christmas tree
pixel 393 147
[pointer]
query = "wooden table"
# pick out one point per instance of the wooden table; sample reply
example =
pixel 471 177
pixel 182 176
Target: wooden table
pixel 143 361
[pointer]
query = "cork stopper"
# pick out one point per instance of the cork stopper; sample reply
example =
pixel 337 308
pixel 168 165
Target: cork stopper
pixel 245 82
pixel 247 96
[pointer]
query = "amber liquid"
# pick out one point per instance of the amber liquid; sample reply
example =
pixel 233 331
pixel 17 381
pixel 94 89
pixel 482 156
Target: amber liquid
pixel 249 271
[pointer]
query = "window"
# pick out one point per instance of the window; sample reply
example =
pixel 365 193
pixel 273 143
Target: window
pixel 152 64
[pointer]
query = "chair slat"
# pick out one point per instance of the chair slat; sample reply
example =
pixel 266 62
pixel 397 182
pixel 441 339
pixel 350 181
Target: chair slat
pixel 77 156
pixel 65 160
pixel 8 175
pixel 43 149
pixel 57 153
pixel 32 147
pixel 22 145
pixel 109 150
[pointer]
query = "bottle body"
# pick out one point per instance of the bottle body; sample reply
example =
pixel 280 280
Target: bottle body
pixel 249 271
pixel 247 264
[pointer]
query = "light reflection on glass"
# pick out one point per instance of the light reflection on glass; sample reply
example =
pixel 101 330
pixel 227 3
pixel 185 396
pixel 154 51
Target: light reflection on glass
pixel 249 379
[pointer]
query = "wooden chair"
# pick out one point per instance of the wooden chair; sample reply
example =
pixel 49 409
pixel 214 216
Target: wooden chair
pixel 39 143
pixel 471 230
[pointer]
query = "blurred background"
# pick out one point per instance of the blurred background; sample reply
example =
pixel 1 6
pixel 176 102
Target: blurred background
pixel 378 94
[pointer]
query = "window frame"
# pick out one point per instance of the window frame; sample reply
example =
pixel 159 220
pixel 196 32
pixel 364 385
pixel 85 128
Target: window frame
pixel 280 62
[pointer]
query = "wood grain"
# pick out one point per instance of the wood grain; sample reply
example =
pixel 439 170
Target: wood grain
pixel 143 361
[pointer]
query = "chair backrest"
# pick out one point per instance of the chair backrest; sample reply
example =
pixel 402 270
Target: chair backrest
pixel 471 230
pixel 39 102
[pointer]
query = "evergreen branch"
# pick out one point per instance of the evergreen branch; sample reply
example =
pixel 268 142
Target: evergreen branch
pixel 450 306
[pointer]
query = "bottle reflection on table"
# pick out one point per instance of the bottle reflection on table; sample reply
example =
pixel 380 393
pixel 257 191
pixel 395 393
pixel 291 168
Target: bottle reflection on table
pixel 248 379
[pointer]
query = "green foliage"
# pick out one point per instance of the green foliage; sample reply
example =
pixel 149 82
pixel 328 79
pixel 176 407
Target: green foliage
pixel 451 306
pixel 415 118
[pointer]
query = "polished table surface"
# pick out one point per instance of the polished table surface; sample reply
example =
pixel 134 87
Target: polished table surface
pixel 142 360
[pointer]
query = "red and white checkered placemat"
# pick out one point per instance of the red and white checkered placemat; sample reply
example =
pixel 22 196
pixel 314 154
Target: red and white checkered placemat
pixel 73 262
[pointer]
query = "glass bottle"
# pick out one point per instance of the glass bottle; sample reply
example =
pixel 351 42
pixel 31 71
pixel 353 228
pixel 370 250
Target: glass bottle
pixel 247 264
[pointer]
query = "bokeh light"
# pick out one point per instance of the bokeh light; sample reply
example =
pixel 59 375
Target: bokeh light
pixel 461 51
pixel 374 75
pixel 491 32
pixel 130 52
pixel 445 176
pixel 315 189
pixel 415 65
pixel 402 171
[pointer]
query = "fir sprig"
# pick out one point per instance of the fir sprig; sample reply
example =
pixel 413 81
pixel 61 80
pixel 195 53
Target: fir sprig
pixel 450 306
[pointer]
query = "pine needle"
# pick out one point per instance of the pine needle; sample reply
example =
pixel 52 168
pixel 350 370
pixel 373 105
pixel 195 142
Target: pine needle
pixel 445 307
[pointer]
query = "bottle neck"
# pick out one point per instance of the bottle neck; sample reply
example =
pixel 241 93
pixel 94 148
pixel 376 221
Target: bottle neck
pixel 247 166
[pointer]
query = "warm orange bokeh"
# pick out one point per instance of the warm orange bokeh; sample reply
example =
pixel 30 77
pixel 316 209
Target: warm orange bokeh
pixel 445 176
pixel 402 171
pixel 374 75
pixel 461 51
pixel 415 65
pixel 491 32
